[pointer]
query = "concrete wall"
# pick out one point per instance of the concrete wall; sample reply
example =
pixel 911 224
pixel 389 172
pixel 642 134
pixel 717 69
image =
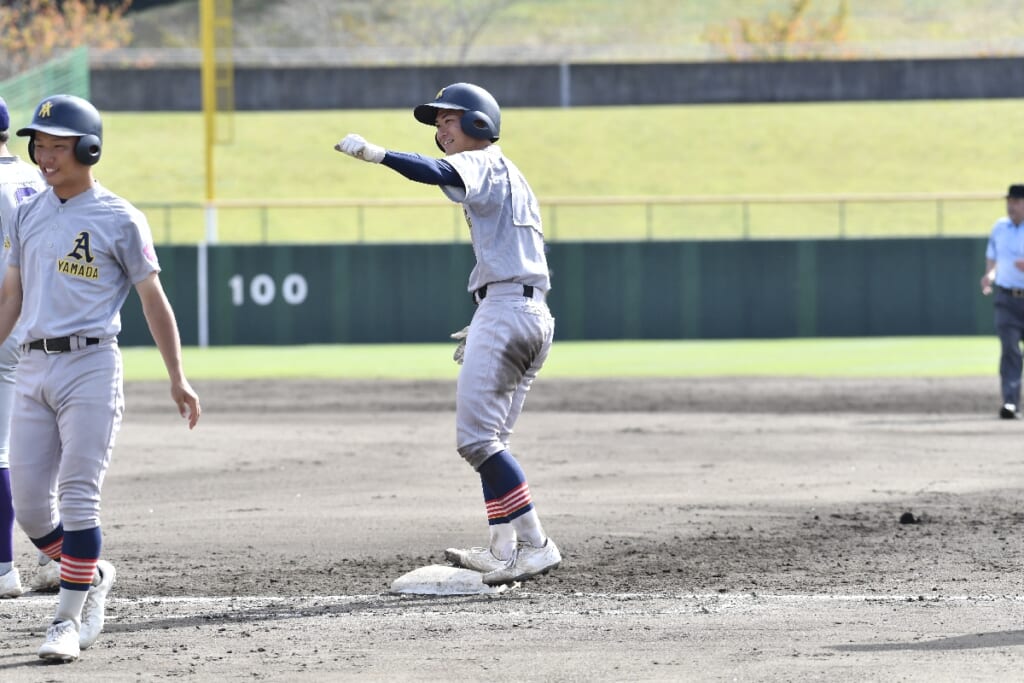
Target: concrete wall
pixel 178 89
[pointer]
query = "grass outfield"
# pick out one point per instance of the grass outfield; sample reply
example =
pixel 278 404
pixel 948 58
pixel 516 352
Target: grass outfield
pixel 719 150
pixel 867 357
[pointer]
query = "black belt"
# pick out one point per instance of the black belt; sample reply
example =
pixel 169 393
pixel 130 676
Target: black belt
pixel 479 294
pixel 1015 293
pixel 58 345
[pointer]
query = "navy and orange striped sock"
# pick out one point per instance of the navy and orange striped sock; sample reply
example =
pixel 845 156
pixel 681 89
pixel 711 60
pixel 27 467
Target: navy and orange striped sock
pixel 494 513
pixel 51 544
pixel 80 554
pixel 506 492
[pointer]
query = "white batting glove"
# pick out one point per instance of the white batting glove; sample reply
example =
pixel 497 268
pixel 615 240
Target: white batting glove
pixel 357 146
pixel 460 350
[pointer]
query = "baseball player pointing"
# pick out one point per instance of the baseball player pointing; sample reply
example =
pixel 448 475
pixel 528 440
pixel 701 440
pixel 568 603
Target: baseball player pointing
pixel 511 331
pixel 75 250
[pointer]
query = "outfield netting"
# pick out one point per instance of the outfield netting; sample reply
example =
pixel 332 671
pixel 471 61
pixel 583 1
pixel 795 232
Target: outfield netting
pixel 65 74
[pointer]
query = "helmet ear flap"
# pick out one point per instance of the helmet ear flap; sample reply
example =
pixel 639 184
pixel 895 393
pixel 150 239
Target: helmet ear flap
pixel 478 125
pixel 438 141
pixel 87 149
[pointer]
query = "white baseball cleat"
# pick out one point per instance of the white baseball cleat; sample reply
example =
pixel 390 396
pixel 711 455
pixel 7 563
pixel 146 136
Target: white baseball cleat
pixel 478 559
pixel 95 605
pixel 61 642
pixel 10 584
pixel 527 562
pixel 47 577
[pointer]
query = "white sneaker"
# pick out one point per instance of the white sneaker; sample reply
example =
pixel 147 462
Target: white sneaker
pixel 61 642
pixel 10 584
pixel 47 578
pixel 528 561
pixel 478 559
pixel 95 605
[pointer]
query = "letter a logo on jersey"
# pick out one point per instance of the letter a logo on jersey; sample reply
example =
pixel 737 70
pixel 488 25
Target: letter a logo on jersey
pixel 82 249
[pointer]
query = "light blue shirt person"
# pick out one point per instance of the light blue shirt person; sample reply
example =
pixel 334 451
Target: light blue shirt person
pixel 1004 255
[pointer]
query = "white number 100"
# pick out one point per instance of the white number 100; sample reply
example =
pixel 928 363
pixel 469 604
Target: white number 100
pixel 262 289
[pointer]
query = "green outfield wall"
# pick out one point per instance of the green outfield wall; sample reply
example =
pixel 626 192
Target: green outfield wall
pixel 600 290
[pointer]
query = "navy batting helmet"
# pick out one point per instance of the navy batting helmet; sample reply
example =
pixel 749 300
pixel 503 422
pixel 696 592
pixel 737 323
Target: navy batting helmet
pixel 481 116
pixel 68 116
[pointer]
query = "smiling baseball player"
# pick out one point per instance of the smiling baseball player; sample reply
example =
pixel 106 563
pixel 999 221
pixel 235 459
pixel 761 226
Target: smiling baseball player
pixel 75 251
pixel 511 331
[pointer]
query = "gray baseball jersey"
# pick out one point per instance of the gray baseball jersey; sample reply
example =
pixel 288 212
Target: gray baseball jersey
pixel 512 329
pixel 504 219
pixel 78 261
pixel 19 180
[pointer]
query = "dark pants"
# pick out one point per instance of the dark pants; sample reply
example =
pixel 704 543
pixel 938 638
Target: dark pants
pixel 1009 318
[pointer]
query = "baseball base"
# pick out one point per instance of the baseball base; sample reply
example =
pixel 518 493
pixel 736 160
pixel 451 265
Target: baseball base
pixel 438 579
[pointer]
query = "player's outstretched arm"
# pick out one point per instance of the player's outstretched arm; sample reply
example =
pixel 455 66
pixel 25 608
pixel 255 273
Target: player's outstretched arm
pixel 10 301
pixel 413 166
pixel 164 328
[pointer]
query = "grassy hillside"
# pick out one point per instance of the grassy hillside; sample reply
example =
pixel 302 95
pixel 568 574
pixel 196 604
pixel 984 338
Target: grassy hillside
pixel 593 29
pixel 929 147
pixel 695 150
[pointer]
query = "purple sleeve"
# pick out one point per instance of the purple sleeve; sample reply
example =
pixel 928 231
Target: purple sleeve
pixel 423 169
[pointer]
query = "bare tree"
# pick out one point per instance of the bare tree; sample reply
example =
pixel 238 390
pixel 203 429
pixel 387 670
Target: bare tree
pixel 779 36
pixel 448 28
pixel 471 22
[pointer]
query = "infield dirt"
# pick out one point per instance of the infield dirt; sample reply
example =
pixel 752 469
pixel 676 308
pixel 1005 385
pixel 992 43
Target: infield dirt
pixel 740 529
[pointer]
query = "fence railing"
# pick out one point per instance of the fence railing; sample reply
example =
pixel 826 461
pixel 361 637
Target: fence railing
pixel 586 218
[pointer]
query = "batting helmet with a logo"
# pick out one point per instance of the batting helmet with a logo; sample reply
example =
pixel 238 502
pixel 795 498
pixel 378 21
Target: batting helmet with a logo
pixel 481 116
pixel 68 116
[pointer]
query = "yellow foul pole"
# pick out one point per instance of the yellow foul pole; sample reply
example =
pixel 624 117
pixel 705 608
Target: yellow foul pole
pixel 207 37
